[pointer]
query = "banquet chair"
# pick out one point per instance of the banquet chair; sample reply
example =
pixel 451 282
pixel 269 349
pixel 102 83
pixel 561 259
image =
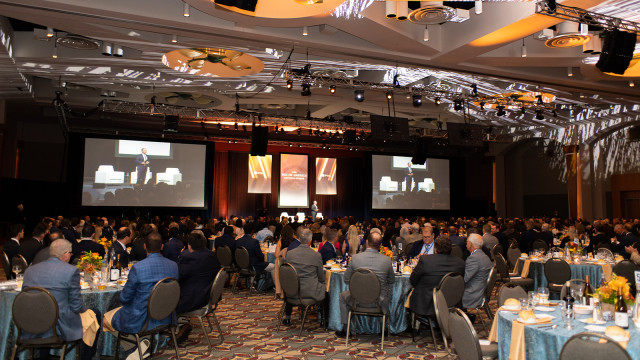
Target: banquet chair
pixel 510 290
pixel 603 245
pixel 214 297
pixel 539 245
pixel 6 266
pixel 626 269
pixel 574 284
pixel 605 253
pixel 364 288
pixel 225 258
pixel 513 254
pixel 161 304
pixel 290 283
pixel 557 272
pixel 465 339
pixel 488 290
pixel 35 311
pixel 245 270
pixel 505 276
pixel 496 249
pixel 20 261
pixel 442 316
pixel 589 345
pixel 457 251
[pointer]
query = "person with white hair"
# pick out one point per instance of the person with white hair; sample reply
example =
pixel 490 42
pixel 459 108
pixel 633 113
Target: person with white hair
pixel 476 272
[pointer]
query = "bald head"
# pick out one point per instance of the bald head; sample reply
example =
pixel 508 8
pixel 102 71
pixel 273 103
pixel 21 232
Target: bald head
pixel 374 241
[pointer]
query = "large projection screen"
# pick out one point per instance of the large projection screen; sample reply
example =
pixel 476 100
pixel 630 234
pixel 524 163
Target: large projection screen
pixel 113 174
pixel 293 181
pixel 259 174
pixel 326 176
pixel 398 184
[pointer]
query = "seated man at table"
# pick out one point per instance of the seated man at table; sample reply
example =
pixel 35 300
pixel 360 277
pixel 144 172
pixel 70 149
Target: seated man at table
pixel 63 281
pixel 119 247
pixel 328 250
pixel 174 246
pixel 86 243
pixel 143 276
pixel 428 273
pixel 30 247
pixel 476 273
pixel 308 265
pixel 425 246
pixel 624 238
pixel 227 239
pixel 381 265
pixel 256 256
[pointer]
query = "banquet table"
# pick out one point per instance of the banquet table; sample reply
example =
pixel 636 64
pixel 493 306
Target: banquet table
pixel 578 271
pixel 368 324
pixel 102 301
pixel 544 343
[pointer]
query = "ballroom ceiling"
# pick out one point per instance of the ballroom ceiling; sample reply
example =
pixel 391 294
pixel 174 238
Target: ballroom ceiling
pixel 354 46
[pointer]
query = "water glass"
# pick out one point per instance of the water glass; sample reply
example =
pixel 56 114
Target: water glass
pixel 524 303
pixel 19 280
pixel 533 300
pixel 568 317
pixel 543 295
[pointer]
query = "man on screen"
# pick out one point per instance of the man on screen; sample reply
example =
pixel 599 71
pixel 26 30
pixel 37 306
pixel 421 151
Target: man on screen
pixel 408 178
pixel 314 210
pixel 142 165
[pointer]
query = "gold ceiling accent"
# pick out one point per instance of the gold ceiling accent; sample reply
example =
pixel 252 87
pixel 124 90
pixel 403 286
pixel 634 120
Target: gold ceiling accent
pixel 515 99
pixel 432 14
pixel 287 9
pixel 567 40
pixel 213 62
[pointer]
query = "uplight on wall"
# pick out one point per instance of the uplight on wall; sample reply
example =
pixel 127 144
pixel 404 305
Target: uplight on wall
pixel 186 11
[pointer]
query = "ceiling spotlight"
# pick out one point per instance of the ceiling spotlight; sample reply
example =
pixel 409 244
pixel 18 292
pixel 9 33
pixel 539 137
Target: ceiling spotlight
pixel 500 111
pixel 290 144
pixel 458 104
pixel 570 71
pixel 481 105
pixel 54 54
pixel 235 126
pixel 299 145
pixel 118 51
pixel 186 10
pixel 554 113
pixel 174 38
pixel 219 126
pixel 474 90
pixel 539 115
pixel 289 84
pixel 417 100
pixel 306 90
pixel 632 83
pixel 359 95
pixel 300 131
pixel 50 32
pixel 107 49
pixel 391 9
pixel 305 31
pixel 523 49
pixel 332 89
pixel 540 101
pixel 389 95
pixel 403 10
pixel 425 36
pixel 478 7
pixel 436 100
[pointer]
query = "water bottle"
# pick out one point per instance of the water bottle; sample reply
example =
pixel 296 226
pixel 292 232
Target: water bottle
pixel 567 253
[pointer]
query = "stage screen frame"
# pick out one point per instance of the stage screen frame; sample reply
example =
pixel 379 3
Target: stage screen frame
pixel 328 186
pixel 257 185
pixel 287 199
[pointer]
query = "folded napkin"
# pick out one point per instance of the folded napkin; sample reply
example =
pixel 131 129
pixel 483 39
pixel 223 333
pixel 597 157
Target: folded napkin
pixel 606 268
pixel 327 279
pixel 517 348
pixel 90 327
pixel 493 334
pixel 525 269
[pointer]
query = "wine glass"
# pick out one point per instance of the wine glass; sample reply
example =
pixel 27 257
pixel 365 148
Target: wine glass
pixel 17 269
pixel 543 295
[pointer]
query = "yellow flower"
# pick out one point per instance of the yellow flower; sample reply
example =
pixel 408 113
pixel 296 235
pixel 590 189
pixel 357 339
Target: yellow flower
pixel 95 255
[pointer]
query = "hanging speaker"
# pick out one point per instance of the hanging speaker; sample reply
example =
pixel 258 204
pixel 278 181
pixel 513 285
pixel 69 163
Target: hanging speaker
pixel 617 51
pixel 259 140
pixel 420 152
pixel 171 123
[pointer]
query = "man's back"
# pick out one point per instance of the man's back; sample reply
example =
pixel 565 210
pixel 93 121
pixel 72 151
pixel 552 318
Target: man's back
pixel 489 241
pixel 226 240
pixel 197 271
pixel 11 248
pixel 477 268
pixel 308 265
pixel 427 275
pixel 255 253
pixel 29 248
pixel 379 264
pixel 172 249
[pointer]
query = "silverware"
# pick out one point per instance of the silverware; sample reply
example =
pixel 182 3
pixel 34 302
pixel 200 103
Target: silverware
pixel 548 326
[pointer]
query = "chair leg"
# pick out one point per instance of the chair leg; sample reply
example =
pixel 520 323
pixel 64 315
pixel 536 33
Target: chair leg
pixel 215 319
pixel 233 288
pixel 304 318
pixel 117 357
pixel 482 320
pixel 62 351
pixel 280 316
pixel 487 309
pixel 413 327
pixel 140 350
pixel 383 329
pixel 204 331
pixel 348 328
pixel 175 342
pixel 15 350
pixel 433 334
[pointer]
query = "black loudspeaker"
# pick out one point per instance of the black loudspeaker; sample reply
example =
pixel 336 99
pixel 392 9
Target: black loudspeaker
pixel 617 51
pixel 259 140
pixel 633 134
pixel 420 152
pixel 249 5
pixel 350 137
pixel 171 123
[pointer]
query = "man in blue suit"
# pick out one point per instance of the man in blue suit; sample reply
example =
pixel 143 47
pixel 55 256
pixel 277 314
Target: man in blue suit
pixel 144 275
pixel 142 165
pixel 174 246
pixel 328 250
pixel 119 247
pixel 198 267
pixel 63 281
pixel 226 239
pixel 256 256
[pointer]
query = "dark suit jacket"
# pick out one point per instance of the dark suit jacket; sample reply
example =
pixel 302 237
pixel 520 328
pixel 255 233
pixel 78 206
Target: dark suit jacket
pixel 12 248
pixel 138 252
pixel 172 249
pixel 427 275
pixel 119 250
pixel 197 272
pixel 328 252
pixel 70 234
pixel 63 281
pixel 547 236
pixel 140 168
pixel 108 232
pixel 255 253
pixel 458 240
pixel 294 244
pixel 29 248
pixel 416 249
pixel 528 237
pixel 308 265
pixel 41 256
pixel 87 246
pixel 226 240
pixel 626 239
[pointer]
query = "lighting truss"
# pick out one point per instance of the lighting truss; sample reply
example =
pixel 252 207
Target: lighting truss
pixel 575 14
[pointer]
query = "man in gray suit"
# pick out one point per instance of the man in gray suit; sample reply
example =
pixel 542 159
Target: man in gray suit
pixel 308 265
pixel 476 272
pixel 381 265
pixel 488 240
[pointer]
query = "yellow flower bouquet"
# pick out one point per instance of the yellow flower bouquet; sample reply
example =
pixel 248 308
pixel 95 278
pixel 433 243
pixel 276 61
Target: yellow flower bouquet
pixel 609 291
pixel 89 262
pixel 105 243
pixel 386 251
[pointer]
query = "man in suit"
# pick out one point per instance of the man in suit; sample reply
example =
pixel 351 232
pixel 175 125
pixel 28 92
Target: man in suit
pixel 63 281
pixel 546 235
pixel 308 265
pixel 44 253
pixel 226 239
pixel 142 165
pixel 476 272
pixel 381 265
pixel 12 247
pixel 408 178
pixel 414 236
pixel 624 238
pixel 528 237
pixel 425 246
pixel 174 246
pixel 428 273
pixel 256 256
pixel 108 231
pixel 119 247
pixel 86 243
pixel 328 250
pixel 488 240
pixel 456 239
pixel 143 276
pixel 30 247
pixel 314 210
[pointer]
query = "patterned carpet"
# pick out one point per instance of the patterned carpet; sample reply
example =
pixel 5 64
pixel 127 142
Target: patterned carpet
pixel 249 326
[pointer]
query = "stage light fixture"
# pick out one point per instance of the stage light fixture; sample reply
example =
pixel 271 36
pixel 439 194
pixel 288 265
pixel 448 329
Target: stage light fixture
pixel 540 101
pixel 425 35
pixel 174 38
pixel 523 49
pixel 235 126
pixel 107 49
pixel 391 9
pixel 437 100
pixel 552 5
pixel 290 144
pixel 570 71
pixel 632 83
pixel 458 104
pixel 417 100
pixel 359 95
pixel 54 54
pixel 500 111
pixel 244 128
pixel 299 145
pixel 523 110
pixel 118 51
pixel 478 7
pixel 474 90
pixel 306 90
pixel 481 105
pixel 305 31
pixel 539 115
pixel 50 32
pixel 332 89
pixel 219 126
pixel 389 95
pixel 554 113
pixel 299 131
pixel 186 11
pixel 289 84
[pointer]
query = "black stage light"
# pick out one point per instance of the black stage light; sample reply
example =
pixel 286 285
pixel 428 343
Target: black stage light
pixel 474 90
pixel 436 100
pixel 289 84
pixel 481 105
pixel 501 111
pixel 457 104
pixel 389 95
pixel 523 110
pixel 306 90
pixel 332 89
pixel 417 100
pixel 539 115
pixel 359 95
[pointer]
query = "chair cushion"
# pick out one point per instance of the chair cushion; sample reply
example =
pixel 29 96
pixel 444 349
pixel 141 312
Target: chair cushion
pixel 197 312
pixel 490 350
pixel 367 310
pixel 303 301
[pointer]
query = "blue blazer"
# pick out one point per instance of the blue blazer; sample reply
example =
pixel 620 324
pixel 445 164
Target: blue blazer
pixel 172 249
pixel 226 240
pixel 63 281
pixel 197 271
pixel 140 168
pixel 328 252
pixel 255 253
pixel 142 277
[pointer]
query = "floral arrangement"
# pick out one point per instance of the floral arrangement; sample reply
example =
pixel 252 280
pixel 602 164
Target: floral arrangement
pixel 89 262
pixel 386 251
pixel 105 243
pixel 609 291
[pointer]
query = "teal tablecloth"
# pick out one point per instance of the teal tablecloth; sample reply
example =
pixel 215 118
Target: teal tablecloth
pixel 546 343
pixel 578 271
pixel 398 321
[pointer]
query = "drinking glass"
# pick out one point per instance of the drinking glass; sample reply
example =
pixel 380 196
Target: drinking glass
pixel 532 298
pixel 580 290
pixel 19 280
pixel 568 317
pixel 339 259
pixel 524 303
pixel 17 269
pixel 543 295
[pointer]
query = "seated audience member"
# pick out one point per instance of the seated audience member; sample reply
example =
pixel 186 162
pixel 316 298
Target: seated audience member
pixel 632 250
pixel 296 242
pixel 425 246
pixel 256 256
pixel 308 265
pixel 174 246
pixel 67 228
pixel 415 235
pixel 328 250
pixel 428 273
pixel 227 239
pixel 380 265
pixel 456 239
pixel 143 276
pixel 138 251
pixel 264 233
pixel 12 247
pixel 624 238
pixel 30 247
pixel 86 243
pixel 119 247
pixel 488 240
pixel 63 282
pixel 476 273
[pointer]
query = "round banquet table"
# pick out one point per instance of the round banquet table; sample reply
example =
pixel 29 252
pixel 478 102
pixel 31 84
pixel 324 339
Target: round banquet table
pixel 546 343
pixel 102 301
pixel 369 324
pixel 578 271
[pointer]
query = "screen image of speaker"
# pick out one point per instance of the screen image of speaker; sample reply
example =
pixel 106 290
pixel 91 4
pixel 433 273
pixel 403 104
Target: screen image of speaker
pixel 617 51
pixel 259 140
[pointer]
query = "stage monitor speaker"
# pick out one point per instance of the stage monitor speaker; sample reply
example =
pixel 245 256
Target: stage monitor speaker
pixel 248 5
pixel 171 123
pixel 617 51
pixel 420 152
pixel 259 140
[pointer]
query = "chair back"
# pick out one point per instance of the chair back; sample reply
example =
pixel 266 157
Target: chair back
pixel 574 284
pixel 289 281
pixel 464 336
pixel 242 259
pixel 539 244
pixel 513 254
pixel 501 266
pixel 603 245
pixel 35 311
pixel 163 300
pixel 557 271
pixel 224 256
pixel 457 251
pixel 497 249
pixel 6 266
pixel 491 283
pixel 605 253
pixel 510 290
pixel 364 287
pixel 589 345
pixel 442 311
pixel 626 268
pixel 216 289
pixel 21 261
pixel 452 287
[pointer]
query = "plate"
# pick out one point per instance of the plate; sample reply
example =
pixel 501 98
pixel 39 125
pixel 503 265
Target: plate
pixel 406 273
pixel 595 328
pixel 544 309
pixel 586 321
pixel 7 287
pixel 540 318
pixel 511 307
pixel 583 309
